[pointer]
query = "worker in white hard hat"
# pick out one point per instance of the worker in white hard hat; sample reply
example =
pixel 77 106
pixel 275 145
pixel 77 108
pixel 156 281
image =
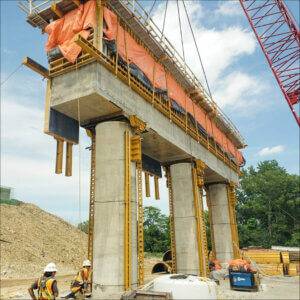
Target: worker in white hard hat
pixel 46 285
pixel 82 284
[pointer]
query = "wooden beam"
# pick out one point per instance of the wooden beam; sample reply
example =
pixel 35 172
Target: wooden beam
pixel 147 184
pixel 36 67
pixel 47 107
pixel 76 2
pixel 68 171
pixel 98 34
pixel 59 156
pixel 56 10
pixel 156 186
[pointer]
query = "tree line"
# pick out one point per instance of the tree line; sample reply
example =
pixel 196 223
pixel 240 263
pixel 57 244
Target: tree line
pixel 268 211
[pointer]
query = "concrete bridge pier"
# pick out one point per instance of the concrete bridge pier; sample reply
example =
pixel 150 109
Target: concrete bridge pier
pixel 220 215
pixel 109 215
pixel 184 219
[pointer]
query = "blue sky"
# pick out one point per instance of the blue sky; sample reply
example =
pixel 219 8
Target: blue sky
pixel 240 79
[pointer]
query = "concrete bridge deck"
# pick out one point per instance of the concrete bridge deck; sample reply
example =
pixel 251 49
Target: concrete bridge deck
pixel 105 96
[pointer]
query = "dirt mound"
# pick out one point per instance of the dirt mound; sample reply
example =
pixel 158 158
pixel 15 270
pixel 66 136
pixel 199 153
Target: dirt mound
pixel 31 238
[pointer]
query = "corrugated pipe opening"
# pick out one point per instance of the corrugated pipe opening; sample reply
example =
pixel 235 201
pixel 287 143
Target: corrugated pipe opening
pixel 161 267
pixel 167 255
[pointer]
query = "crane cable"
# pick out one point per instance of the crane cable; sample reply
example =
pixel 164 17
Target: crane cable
pixel 150 11
pixel 79 149
pixel 181 36
pixel 164 22
pixel 11 74
pixel 192 31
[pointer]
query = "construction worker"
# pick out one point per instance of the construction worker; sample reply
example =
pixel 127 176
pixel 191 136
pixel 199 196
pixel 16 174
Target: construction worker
pixel 81 285
pixel 46 285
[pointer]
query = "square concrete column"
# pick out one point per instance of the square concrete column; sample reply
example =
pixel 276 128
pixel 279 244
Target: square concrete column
pixel 109 216
pixel 184 219
pixel 221 221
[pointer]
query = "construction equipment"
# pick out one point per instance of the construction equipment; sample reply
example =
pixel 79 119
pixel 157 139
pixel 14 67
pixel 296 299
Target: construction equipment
pixel 243 281
pixel 279 37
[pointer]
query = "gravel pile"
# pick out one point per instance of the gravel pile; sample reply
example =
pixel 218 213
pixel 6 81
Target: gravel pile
pixel 31 238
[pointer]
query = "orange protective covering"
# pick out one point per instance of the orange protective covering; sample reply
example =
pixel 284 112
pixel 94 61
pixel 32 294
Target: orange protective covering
pixel 239 157
pixel 175 91
pixel 217 264
pixel 200 116
pixel 63 31
pixel 240 263
pixel 133 52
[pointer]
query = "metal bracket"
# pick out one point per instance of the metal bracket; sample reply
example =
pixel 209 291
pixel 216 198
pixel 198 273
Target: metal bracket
pixel 138 125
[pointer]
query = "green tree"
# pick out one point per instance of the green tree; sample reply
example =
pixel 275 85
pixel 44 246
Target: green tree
pixel 156 230
pixel 84 226
pixel 268 207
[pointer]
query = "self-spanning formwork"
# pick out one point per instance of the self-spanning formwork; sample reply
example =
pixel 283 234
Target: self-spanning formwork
pixel 106 91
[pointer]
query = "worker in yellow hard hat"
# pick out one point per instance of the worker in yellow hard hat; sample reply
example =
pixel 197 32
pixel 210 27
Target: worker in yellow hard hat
pixel 81 285
pixel 46 285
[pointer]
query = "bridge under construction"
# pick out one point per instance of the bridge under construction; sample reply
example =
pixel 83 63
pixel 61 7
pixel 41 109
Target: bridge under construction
pixel 114 73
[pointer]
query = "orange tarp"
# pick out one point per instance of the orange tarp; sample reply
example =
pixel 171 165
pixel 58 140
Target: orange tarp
pixel 63 31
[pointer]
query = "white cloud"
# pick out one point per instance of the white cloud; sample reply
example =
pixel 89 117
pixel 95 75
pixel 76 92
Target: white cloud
pixel 240 91
pixel 267 151
pixel 219 49
pixel 229 8
pixel 28 156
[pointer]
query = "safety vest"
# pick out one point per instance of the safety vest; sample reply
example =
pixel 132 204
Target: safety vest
pixel 45 291
pixel 83 275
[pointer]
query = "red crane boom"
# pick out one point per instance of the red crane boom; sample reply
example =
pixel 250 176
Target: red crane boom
pixel 279 37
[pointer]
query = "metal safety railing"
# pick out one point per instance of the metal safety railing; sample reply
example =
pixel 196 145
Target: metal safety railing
pixel 34 6
pixel 154 31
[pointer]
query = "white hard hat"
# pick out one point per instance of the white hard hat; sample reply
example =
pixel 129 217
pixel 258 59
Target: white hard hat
pixel 51 267
pixel 86 263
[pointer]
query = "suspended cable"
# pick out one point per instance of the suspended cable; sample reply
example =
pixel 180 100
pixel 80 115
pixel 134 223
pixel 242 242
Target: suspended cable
pixel 79 148
pixel 181 36
pixel 164 23
pixel 11 74
pixel 197 48
pixel 150 11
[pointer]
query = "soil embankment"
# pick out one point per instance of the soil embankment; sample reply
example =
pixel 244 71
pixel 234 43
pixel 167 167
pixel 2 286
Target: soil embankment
pixel 31 238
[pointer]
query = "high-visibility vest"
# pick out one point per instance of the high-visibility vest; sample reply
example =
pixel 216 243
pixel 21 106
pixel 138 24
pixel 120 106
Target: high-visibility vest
pixel 45 291
pixel 83 275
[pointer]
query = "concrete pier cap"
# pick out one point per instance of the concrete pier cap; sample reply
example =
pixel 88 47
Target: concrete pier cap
pixel 104 95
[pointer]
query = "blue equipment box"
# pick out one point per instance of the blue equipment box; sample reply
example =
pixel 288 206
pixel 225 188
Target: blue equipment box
pixel 242 281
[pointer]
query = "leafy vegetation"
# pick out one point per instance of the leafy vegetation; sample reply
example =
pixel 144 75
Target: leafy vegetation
pixel 156 230
pixel 268 212
pixel 84 226
pixel 10 201
pixel 268 207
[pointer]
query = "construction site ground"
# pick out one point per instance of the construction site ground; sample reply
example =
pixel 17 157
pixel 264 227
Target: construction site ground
pixel 31 237
pixel 271 288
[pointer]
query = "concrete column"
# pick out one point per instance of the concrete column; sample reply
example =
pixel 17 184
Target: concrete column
pixel 221 222
pixel 108 248
pixel 184 219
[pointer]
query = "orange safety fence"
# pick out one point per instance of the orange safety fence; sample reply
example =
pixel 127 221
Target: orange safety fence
pixel 62 34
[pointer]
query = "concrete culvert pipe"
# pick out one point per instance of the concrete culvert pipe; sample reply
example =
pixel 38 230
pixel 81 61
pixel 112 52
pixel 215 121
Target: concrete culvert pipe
pixel 167 256
pixel 161 267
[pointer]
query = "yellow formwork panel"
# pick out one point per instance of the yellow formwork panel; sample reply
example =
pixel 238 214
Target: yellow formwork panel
pixel 263 257
pixel 293 269
pixel 271 269
pixel 285 256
